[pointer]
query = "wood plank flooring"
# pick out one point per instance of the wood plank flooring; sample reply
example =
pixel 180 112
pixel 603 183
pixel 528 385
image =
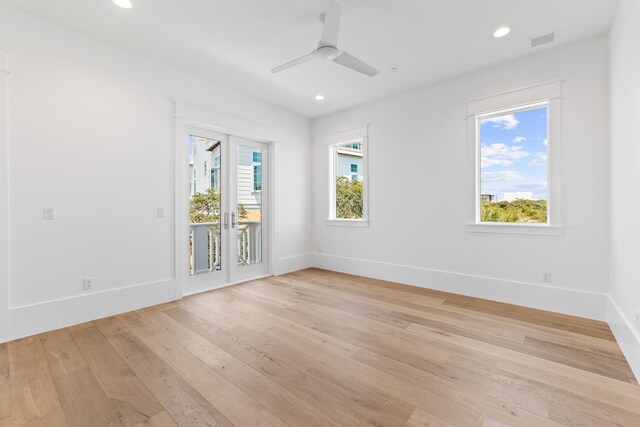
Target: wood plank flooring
pixel 321 348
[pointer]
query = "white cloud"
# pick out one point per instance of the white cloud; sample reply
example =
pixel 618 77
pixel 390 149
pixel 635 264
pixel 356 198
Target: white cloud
pixel 507 122
pixel 519 139
pixel 546 142
pixel 500 154
pixel 539 160
pixel 500 176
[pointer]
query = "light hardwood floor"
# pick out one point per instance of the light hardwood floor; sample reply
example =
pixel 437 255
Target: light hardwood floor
pixel 321 348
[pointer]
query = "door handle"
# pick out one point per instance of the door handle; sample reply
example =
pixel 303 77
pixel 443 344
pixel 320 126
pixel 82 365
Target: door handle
pixel 233 220
pixel 226 220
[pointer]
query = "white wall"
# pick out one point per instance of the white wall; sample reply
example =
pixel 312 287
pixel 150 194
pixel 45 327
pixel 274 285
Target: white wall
pixel 92 133
pixel 625 179
pixel 418 181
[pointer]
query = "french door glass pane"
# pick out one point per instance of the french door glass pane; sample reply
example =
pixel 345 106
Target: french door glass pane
pixel 205 243
pixel 249 188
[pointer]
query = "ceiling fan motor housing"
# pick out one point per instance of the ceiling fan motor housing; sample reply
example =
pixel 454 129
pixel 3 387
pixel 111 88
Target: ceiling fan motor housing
pixel 327 52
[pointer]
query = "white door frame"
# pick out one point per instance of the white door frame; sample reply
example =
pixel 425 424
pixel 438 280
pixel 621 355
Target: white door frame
pixel 4 196
pixel 191 116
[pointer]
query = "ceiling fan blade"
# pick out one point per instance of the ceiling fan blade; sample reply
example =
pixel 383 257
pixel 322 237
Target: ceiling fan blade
pixel 331 24
pixel 295 62
pixel 355 64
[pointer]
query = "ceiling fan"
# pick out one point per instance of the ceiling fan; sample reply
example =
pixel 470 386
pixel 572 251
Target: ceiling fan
pixel 328 47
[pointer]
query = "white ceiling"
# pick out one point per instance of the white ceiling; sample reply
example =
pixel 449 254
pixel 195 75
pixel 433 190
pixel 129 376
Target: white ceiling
pixel 237 42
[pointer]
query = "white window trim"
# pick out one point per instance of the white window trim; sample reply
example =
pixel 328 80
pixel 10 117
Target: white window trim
pixel 332 140
pixel 546 93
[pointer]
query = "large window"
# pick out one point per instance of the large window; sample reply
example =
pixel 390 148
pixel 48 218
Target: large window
pixel 348 179
pixel 513 138
pixel 514 165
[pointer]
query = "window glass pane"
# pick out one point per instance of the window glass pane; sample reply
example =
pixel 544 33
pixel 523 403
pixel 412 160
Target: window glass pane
pixel 514 167
pixel 348 181
pixel 257 177
pixel 204 207
pixel 249 230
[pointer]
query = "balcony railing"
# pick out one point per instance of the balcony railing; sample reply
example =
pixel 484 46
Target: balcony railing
pixel 205 245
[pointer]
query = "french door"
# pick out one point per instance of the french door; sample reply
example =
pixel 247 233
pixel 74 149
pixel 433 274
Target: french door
pixel 228 209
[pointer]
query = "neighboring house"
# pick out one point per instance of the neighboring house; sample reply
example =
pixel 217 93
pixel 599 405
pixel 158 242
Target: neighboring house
pixel 204 162
pixel 488 198
pixel 349 161
pixel 249 178
pixel 517 195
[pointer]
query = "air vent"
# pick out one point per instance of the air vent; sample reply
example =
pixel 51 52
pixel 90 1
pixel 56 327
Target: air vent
pixel 544 39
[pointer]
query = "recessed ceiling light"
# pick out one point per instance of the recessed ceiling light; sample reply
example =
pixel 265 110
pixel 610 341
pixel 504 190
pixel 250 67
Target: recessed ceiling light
pixel 125 4
pixel 501 32
pixel 319 97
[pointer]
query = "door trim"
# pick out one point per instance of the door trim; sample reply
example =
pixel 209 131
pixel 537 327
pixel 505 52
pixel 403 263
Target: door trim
pixel 5 229
pixel 193 116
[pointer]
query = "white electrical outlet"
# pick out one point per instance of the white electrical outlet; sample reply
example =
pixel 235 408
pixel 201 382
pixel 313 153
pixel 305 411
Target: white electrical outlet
pixel 87 283
pixel 160 212
pixel 546 276
pixel 49 212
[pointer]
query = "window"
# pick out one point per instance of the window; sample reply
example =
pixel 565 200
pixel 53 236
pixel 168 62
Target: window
pixel 257 177
pixel 512 138
pixel 348 203
pixel 257 170
pixel 215 173
pixel 514 165
pixel 214 180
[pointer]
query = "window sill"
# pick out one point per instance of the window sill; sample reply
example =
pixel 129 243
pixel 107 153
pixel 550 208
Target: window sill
pixel 348 222
pixel 529 229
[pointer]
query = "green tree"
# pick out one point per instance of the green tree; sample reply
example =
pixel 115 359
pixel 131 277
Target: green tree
pixel 205 207
pixel 520 211
pixel 349 200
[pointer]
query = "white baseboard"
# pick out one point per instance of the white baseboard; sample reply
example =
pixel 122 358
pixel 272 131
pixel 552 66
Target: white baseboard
pixel 50 315
pixel 626 335
pixel 574 302
pixel 289 264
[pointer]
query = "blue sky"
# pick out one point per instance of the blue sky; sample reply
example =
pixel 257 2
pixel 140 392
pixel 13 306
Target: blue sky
pixel 514 153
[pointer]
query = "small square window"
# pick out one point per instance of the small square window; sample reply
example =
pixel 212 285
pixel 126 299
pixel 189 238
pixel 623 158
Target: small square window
pixel 354 168
pixel 257 157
